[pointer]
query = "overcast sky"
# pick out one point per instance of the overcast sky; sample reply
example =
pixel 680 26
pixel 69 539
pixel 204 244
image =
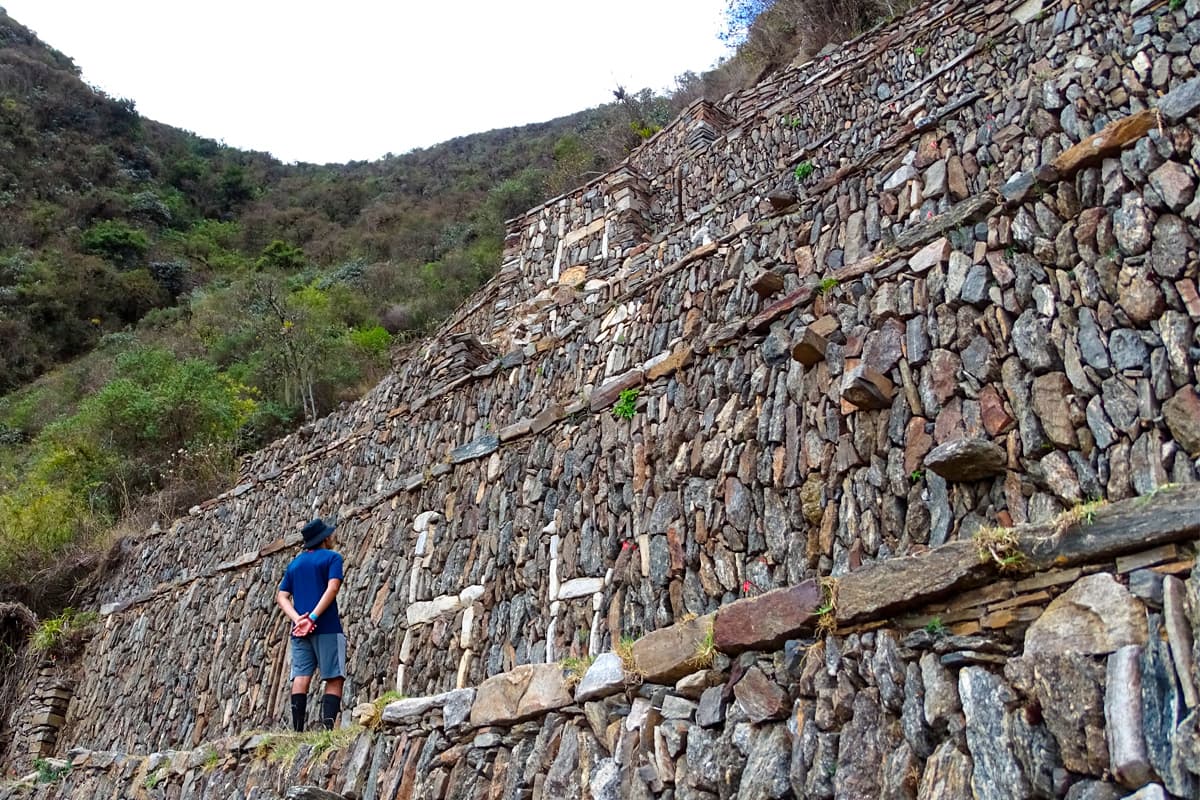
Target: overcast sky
pixel 355 79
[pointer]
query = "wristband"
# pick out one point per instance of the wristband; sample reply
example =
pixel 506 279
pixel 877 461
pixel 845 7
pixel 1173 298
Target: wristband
pixel 313 616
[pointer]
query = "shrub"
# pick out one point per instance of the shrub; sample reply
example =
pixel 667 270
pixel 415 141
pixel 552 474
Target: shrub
pixel 61 635
pixel 281 256
pixel 115 241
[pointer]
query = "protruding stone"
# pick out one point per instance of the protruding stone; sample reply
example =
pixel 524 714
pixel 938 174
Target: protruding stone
pixel 768 620
pixel 967 459
pixel 760 697
pixel 521 693
pixel 667 654
pixel 929 256
pixel 810 342
pixel 604 677
pixel 865 388
pixel 1095 616
pixel 1182 415
pixel 483 446
pixel 767 283
pixel 1110 141
pixel 1180 101
pixel 608 393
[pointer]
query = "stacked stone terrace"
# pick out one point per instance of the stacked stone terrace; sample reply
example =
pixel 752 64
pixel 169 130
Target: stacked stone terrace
pixel 978 310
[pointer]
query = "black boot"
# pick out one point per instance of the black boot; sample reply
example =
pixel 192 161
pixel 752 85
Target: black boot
pixel 331 705
pixel 299 709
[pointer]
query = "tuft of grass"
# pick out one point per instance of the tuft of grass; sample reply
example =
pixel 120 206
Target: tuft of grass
pixel 916 476
pixel 285 746
pixel 49 771
pixel 211 759
pixel 803 170
pixel 629 665
pixel 626 405
pixel 154 778
pixel 920 50
pixel 827 285
pixel 574 668
pixel 706 650
pixel 936 627
pixel 58 634
pixel 1000 546
pixel 826 616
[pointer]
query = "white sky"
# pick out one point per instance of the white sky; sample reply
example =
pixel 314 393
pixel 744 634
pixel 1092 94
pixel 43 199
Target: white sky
pixel 355 79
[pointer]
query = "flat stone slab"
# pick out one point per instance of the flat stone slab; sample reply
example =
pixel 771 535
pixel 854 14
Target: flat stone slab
pixel 767 621
pixel 666 655
pixel 398 710
pixel 519 694
pixel 603 678
pixel 967 459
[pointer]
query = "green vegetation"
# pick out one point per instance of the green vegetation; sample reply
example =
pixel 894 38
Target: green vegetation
pixel 1001 547
pixel 626 405
pixel 803 170
pixel 935 627
pixel 1177 4
pixel 285 747
pixel 574 668
pixel 706 650
pixel 919 51
pixel 60 633
pixel 49 771
pixel 827 285
pixel 916 476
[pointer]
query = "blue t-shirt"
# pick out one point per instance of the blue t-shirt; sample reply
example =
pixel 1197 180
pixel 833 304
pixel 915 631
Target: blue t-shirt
pixel 306 579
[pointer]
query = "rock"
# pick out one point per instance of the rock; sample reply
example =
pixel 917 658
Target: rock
pixel 1180 101
pixel 1162 707
pixel 1128 350
pixel 1049 399
pixel 1151 791
pixel 1108 142
pixel 669 363
pixel 1131 225
pixel 941 693
pixel 666 655
pixel 1172 242
pixel 521 693
pixel 765 622
pixel 929 256
pixel 866 741
pixel 760 697
pixel 997 774
pixel 767 283
pixel 607 394
pixel 1031 339
pixel 1069 689
pixel 1094 790
pixel 1179 638
pixel 580 587
pixel 1017 187
pixel 603 677
pixel 767 765
pixel 311 793
pixel 1095 616
pixel 1182 415
pixel 1123 717
pixel 1173 184
pixel 711 711
pixel 674 707
pixel 867 389
pixel 948 771
pixel 398 710
pixel 964 460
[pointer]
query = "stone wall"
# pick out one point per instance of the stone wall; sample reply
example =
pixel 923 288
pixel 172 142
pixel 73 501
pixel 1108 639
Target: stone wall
pixel 1092 695
pixel 979 309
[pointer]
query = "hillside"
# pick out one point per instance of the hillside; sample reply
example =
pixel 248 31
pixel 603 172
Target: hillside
pixel 169 303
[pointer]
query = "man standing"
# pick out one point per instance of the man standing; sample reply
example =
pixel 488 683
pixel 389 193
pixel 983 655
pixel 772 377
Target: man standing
pixel 311 582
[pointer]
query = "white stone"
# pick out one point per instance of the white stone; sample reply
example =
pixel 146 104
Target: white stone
pixel 603 677
pixel 425 519
pixel 470 594
pixel 419 547
pixel 427 610
pixel 900 177
pixel 639 712
pixel 580 587
pixel 1028 11
pixel 956 275
pixel 468 620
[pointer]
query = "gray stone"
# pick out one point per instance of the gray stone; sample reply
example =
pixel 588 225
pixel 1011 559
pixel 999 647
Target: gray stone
pixel 966 460
pixel 1172 243
pixel 604 677
pixel 711 712
pixel 1031 339
pixel 766 774
pixel 760 697
pixel 997 774
pixel 1128 350
pixel 311 793
pixel 1173 184
pixel 674 707
pixel 483 446
pixel 1095 616
pixel 1131 225
pixel 1180 101
pixel 1123 717
pixel 1094 790
pixel 1162 709
pixel 1017 187
pixel 1070 692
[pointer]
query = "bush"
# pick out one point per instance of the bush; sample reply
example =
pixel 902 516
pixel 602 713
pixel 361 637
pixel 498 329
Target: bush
pixel 281 256
pixel 115 241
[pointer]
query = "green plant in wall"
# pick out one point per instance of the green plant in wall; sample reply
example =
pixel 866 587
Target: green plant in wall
pixel 935 627
pixel 56 634
pixel 916 476
pixel 626 405
pixel 1001 547
pixel 826 614
pixel 919 51
pixel 50 770
pixel 706 650
pixel 574 668
pixel 827 285
pixel 803 170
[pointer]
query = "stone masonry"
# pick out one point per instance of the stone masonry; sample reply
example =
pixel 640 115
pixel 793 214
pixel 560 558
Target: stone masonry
pixel 937 284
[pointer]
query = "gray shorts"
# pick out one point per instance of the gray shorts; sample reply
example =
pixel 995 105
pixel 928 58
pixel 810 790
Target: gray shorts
pixel 326 651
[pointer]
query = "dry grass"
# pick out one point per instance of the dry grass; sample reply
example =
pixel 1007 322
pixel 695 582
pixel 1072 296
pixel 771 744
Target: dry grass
pixel 706 650
pixel 1001 547
pixel 827 613
pixel 574 668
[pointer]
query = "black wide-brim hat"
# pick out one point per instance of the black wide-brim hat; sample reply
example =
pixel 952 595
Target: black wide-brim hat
pixel 316 532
